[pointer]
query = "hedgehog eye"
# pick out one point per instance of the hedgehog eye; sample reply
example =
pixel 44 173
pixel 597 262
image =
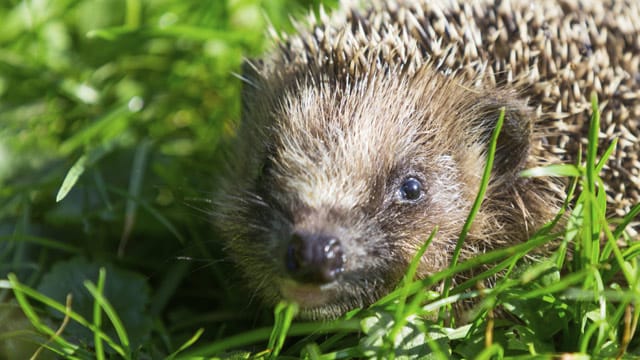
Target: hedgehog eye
pixel 411 189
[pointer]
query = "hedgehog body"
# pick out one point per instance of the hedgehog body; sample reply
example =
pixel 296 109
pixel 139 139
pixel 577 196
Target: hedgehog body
pixel 367 129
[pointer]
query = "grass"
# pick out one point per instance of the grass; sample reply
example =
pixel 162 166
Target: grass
pixel 111 118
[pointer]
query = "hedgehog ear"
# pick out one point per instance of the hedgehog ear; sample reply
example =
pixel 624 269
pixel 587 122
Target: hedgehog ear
pixel 514 140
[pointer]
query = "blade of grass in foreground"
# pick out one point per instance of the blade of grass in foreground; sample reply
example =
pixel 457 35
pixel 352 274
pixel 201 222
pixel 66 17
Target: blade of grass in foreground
pixel 264 333
pixel 635 211
pixel 590 237
pixel 284 314
pixel 495 255
pixel 403 312
pixel 97 316
pixel 400 314
pixel 21 293
pixel 113 317
pixel 484 183
pixel 186 344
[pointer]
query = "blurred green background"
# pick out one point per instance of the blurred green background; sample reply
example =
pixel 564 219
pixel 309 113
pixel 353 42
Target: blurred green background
pixel 120 109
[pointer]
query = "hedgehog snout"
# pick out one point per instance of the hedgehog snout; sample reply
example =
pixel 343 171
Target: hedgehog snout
pixel 313 258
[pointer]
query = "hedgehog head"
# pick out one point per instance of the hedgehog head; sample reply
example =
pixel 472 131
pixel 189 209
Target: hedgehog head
pixel 338 183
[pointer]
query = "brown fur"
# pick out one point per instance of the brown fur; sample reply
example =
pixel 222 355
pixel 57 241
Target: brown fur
pixel 339 115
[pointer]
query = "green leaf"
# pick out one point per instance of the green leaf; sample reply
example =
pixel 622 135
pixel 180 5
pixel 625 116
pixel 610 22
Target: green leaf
pixel 72 177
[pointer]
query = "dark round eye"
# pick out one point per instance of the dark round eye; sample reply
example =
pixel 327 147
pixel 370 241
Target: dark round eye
pixel 411 189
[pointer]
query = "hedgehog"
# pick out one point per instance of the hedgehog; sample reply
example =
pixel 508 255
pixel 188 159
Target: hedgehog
pixel 367 129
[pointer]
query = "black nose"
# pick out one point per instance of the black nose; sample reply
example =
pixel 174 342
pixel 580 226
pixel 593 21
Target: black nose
pixel 313 258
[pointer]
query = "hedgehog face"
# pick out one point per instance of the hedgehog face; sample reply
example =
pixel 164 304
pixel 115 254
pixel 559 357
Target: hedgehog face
pixel 334 243
pixel 351 180
pixel 342 237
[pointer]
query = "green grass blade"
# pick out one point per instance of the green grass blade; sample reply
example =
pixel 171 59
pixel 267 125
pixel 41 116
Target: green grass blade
pixel 232 342
pixel 489 257
pixel 72 177
pixel 468 284
pixel 44 242
pixel 138 168
pixel 97 316
pixel 607 154
pixel 186 344
pixel 483 188
pixel 590 237
pixel 484 183
pixel 86 160
pixel 21 292
pixel 555 170
pixel 125 350
pixel 567 281
pixel 631 216
pixel 613 246
pixel 592 146
pixel 284 314
pixel 400 315
pixel 262 334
